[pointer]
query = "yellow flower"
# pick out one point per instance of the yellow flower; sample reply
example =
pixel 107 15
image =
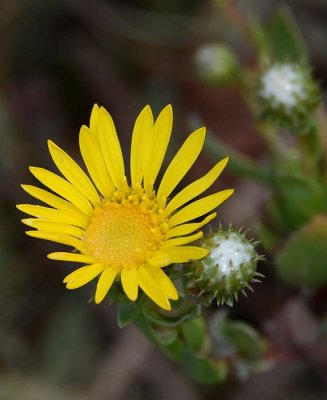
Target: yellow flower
pixel 119 230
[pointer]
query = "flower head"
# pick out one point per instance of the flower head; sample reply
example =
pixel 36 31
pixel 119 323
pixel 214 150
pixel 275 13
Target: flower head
pixel 124 231
pixel 216 63
pixel 288 94
pixel 229 268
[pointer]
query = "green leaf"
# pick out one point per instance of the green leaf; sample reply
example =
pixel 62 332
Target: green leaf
pixel 127 310
pixel 247 342
pixel 202 368
pixel 260 40
pixel 165 336
pixel 285 40
pixel 115 294
pixel 181 311
pixel 236 340
pixel 194 332
pixel 268 238
pixel 175 350
pixel 303 258
pixel 299 199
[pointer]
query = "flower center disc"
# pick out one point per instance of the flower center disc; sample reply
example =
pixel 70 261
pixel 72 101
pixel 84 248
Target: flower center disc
pixel 120 236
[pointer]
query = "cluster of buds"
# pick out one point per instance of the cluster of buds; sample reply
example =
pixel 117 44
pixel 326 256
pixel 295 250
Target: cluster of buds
pixel 229 269
pixel 287 95
pixel 216 64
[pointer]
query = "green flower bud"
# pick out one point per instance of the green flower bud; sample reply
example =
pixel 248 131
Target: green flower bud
pixel 287 95
pixel 229 268
pixel 216 64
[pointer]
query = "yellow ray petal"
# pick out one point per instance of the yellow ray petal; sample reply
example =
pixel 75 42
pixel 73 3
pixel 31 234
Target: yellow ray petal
pixel 130 283
pixel 79 271
pixel 182 162
pixel 73 172
pixel 159 259
pixel 94 163
pixel 151 288
pixel 104 284
pixel 54 201
pixel 94 119
pixel 72 257
pixel 55 227
pixel 196 188
pixel 63 188
pixel 58 238
pixel 110 148
pixel 82 276
pixel 158 146
pixel 164 282
pixel 141 139
pixel 185 229
pixel 200 207
pixel 52 214
pixel 181 240
pixel 185 253
pixel 29 221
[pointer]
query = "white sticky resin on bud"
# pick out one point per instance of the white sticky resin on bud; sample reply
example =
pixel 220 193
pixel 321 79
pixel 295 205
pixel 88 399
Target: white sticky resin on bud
pixel 231 253
pixel 283 85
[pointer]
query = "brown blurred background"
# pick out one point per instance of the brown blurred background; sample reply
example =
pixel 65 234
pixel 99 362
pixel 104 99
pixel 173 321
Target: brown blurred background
pixel 58 58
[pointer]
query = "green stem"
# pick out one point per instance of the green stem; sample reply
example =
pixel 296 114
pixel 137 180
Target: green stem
pixel 239 163
pixel 181 331
pixel 278 151
pixel 312 151
pixel 146 327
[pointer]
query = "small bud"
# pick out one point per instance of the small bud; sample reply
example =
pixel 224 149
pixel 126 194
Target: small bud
pixel 228 269
pixel 287 95
pixel 216 64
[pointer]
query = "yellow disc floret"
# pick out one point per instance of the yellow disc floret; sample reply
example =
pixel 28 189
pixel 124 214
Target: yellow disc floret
pixel 121 235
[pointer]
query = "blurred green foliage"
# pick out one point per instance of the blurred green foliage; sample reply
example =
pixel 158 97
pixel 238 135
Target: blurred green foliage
pixel 302 260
